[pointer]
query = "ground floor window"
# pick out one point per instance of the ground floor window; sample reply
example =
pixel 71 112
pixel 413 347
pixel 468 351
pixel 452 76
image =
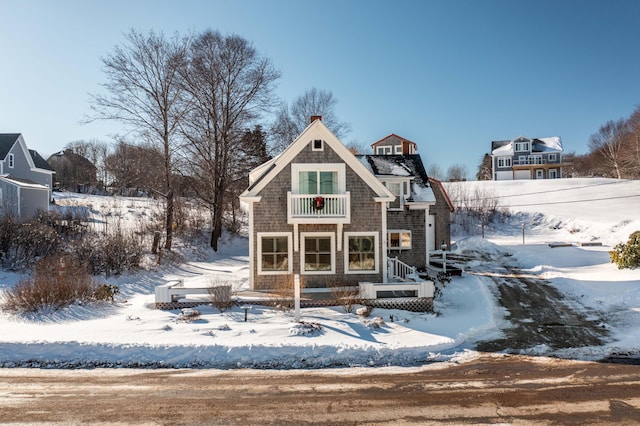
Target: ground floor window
pixel 274 252
pixel 318 254
pixel 400 239
pixel 361 252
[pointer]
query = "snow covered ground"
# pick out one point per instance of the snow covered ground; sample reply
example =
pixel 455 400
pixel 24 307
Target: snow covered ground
pixel 131 333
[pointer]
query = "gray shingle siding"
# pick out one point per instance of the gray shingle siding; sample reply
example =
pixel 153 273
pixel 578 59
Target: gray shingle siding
pixel 270 215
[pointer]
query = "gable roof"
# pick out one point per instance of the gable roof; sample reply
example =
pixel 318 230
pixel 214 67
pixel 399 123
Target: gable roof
pixel 39 161
pixel 263 174
pixel 6 142
pixel 393 135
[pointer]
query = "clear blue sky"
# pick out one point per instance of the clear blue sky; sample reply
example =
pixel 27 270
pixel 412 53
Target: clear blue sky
pixel 450 75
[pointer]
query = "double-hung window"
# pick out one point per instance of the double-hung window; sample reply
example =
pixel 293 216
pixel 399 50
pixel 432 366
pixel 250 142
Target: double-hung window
pixel 504 161
pixel 10 161
pixel 361 252
pixel 318 253
pixel 275 253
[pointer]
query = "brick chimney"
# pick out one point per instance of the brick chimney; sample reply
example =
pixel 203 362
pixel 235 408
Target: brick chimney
pixel 316 117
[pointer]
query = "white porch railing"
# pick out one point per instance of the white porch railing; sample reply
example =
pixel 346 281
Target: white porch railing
pixel 331 206
pixel 398 270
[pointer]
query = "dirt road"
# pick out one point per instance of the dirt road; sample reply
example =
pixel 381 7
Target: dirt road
pixel 498 388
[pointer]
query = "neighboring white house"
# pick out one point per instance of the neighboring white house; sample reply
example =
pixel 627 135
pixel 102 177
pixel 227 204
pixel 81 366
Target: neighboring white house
pixel 26 179
pixel 527 158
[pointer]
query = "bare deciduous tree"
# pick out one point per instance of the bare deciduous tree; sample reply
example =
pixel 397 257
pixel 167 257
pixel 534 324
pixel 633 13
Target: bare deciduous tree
pixel 229 85
pixel 142 91
pixel 136 167
pixel 95 151
pixel 457 173
pixel 290 122
pixel 609 142
pixel 435 171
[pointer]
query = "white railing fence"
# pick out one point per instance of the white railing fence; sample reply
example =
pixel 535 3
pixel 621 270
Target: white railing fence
pixel 329 205
pixel 397 269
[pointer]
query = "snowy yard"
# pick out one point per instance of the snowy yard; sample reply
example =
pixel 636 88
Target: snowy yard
pixel 133 333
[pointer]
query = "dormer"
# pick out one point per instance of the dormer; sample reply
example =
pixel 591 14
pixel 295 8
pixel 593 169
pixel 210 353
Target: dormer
pixel 521 144
pixel 394 145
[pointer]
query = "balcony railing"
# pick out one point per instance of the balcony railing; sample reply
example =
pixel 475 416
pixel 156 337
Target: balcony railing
pixel 327 207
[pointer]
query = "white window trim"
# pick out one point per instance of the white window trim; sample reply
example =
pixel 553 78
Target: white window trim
pixel 506 162
pixel 522 147
pixel 405 188
pixel 332 235
pixel 346 252
pixel 400 231
pixel 10 161
pixel 552 158
pixel 398 149
pixel 296 168
pixel 313 145
pixel 289 236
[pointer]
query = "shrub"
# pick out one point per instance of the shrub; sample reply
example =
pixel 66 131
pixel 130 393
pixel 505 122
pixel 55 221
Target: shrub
pixel 21 244
pixel 58 281
pixel 220 296
pixel 283 292
pixel 627 255
pixel 111 254
pixel 107 292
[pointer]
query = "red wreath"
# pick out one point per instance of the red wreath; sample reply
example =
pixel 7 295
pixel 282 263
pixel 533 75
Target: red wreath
pixel 318 203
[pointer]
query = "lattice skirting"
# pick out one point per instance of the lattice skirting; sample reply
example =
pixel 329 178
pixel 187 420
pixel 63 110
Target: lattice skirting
pixel 413 304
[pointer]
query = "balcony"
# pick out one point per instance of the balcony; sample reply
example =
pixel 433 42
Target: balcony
pixel 307 208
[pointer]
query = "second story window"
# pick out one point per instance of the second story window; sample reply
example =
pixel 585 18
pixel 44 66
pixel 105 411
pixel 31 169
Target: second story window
pixel 504 161
pixel 318 182
pixel 10 161
pixel 552 158
pixel 313 179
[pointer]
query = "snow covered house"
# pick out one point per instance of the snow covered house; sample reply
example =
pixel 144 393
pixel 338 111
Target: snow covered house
pixel 527 158
pixel 418 220
pixel 26 178
pixel 320 212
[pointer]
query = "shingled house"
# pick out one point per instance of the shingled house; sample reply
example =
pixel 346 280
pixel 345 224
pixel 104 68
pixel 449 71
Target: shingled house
pixel 319 211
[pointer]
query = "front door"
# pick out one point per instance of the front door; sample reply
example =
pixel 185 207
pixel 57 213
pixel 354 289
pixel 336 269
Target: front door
pixel 539 174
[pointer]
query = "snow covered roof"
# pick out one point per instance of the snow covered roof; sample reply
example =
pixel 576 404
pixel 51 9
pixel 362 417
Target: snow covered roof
pixel 25 183
pixel 402 166
pixel 550 144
